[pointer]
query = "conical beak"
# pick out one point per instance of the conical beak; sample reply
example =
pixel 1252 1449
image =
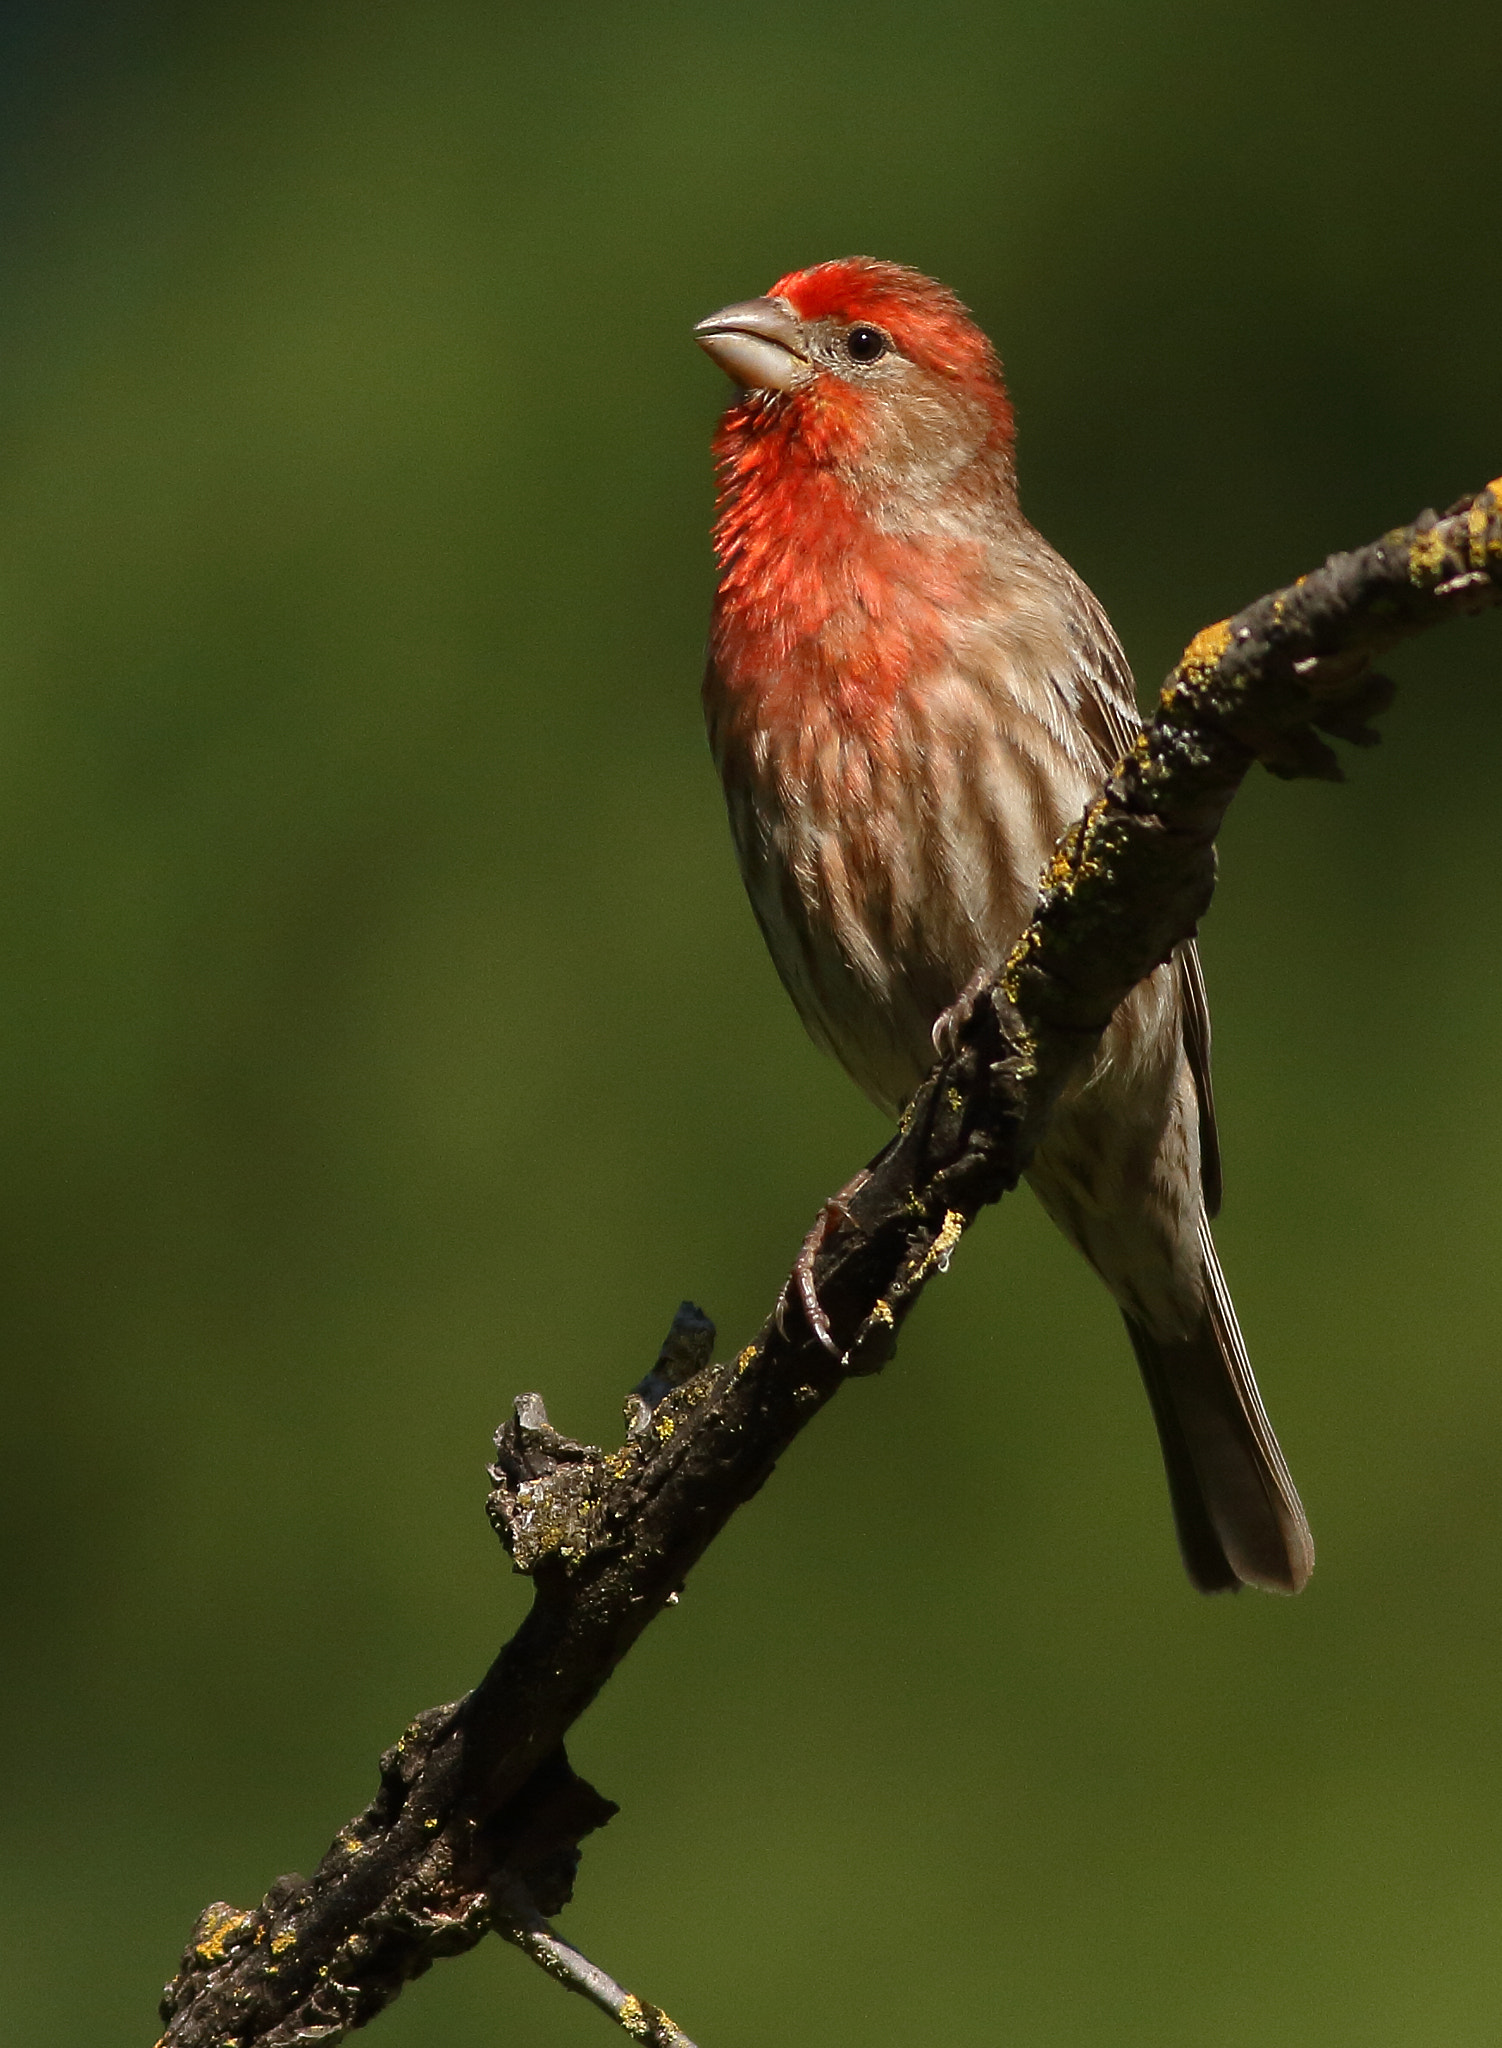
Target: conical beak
pixel 759 343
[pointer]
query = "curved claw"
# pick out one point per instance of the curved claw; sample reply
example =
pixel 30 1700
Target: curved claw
pixel 951 1022
pixel 834 1212
pixel 808 1293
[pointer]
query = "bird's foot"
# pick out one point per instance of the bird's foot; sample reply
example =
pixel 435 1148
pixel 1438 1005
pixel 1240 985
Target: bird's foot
pixel 801 1282
pixel 951 1022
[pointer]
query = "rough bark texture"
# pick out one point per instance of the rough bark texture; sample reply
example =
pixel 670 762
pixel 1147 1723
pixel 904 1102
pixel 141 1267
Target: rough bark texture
pixel 477 1804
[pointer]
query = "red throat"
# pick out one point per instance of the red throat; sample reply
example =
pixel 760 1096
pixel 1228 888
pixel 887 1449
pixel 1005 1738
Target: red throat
pixel 822 616
pixel 839 585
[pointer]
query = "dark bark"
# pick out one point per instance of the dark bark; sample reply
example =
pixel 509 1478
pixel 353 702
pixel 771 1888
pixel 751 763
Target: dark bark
pixel 478 1817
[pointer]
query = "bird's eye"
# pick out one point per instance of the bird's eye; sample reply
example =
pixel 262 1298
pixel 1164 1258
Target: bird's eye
pixel 866 344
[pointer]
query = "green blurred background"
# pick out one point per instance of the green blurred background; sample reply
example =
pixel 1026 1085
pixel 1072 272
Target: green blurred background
pixel 385 1032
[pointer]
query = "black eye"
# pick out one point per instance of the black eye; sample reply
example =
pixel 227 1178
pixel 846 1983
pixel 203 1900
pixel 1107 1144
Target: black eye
pixel 866 344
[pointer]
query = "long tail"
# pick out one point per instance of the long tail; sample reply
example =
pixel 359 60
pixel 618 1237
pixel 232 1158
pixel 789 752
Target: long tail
pixel 1238 1516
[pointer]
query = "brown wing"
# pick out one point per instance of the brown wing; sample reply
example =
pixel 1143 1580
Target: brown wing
pixel 1197 1046
pixel 1109 707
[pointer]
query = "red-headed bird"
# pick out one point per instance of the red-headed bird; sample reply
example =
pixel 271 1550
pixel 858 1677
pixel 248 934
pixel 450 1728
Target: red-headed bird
pixel 910 697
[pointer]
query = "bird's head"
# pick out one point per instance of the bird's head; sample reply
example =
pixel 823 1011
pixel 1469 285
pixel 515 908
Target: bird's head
pixel 867 368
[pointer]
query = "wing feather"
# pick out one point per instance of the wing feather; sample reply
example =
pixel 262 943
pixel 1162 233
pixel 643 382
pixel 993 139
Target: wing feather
pixel 1109 708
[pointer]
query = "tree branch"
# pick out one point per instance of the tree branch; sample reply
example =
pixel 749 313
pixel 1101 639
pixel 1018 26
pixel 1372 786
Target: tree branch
pixel 478 1818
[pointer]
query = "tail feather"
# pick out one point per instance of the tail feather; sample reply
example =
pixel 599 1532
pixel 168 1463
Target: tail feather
pixel 1238 1515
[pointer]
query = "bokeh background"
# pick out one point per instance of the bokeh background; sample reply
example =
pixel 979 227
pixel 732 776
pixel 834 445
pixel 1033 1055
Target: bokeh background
pixel 384 1032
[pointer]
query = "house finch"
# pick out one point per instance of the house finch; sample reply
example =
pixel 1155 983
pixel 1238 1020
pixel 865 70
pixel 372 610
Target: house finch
pixel 910 697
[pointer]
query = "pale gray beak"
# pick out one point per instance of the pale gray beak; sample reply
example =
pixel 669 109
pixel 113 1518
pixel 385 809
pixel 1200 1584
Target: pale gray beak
pixel 758 342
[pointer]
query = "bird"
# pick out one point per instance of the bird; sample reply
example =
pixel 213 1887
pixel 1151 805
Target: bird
pixel 910 697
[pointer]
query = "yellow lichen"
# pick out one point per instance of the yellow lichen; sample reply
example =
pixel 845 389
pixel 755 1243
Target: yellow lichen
pixel 1475 529
pixel 881 1313
pixel 219 1923
pixel 1479 521
pixel 555 1517
pixel 1280 600
pixel 1204 651
pixel 644 2022
pixel 1072 858
pixel 1060 870
pixel 1426 555
pixel 280 1943
pixel 951 1230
